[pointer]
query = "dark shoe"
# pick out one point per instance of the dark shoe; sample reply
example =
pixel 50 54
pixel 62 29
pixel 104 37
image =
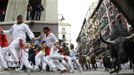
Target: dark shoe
pixel 5 69
pixel 64 71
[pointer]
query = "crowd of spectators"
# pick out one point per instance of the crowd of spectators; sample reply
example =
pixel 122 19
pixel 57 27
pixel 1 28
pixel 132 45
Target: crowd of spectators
pixel 2 14
pixel 34 12
pixel 3 5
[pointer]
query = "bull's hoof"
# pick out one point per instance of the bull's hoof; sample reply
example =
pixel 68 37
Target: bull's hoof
pixel 117 71
pixel 111 72
pixel 114 71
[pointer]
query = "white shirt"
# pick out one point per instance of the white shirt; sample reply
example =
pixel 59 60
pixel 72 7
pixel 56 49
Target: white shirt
pixel 73 53
pixel 19 31
pixel 54 51
pixel 51 39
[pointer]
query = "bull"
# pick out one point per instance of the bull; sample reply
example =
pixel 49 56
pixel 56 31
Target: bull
pixel 121 50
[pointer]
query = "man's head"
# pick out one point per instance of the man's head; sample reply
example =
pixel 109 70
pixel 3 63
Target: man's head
pixel 71 46
pixel 46 29
pixel 60 41
pixel 20 19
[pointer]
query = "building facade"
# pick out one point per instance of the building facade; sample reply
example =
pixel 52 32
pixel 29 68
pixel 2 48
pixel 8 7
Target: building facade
pixel 105 19
pixel 83 37
pixel 65 32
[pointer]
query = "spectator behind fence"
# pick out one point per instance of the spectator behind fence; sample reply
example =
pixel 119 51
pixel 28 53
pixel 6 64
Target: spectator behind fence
pixel 2 14
pixel 39 8
pixel 29 11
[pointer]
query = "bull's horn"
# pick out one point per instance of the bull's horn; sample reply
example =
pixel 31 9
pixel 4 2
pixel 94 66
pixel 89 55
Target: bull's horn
pixel 106 41
pixel 131 36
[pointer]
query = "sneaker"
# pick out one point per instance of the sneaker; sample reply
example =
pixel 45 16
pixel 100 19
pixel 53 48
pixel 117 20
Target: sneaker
pixel 36 69
pixel 17 69
pixel 53 69
pixel 80 70
pixel 71 71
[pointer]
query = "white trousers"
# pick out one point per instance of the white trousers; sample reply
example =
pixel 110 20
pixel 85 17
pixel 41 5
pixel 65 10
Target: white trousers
pixel 2 61
pixel 57 57
pixel 17 53
pixel 40 57
pixel 76 62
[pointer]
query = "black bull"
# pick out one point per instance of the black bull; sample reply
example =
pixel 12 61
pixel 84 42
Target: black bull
pixel 121 50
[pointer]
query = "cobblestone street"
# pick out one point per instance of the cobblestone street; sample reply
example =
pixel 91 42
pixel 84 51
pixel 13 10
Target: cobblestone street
pixel 98 72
